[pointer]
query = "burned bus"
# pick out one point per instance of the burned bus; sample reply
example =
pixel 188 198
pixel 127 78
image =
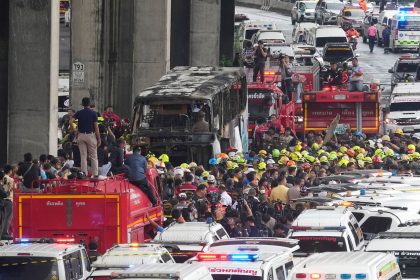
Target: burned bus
pixel 193 113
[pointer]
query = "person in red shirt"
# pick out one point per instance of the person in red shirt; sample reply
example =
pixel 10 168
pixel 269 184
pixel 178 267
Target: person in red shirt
pixel 188 185
pixel 211 183
pixel 109 114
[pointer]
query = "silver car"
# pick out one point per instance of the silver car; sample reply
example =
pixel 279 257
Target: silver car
pixel 303 11
pixel 326 11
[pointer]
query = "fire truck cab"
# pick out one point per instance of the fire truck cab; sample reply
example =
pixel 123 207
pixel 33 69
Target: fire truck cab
pixel 109 211
pixel 39 259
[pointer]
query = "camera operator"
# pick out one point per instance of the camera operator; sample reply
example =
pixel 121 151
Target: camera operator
pixel 260 54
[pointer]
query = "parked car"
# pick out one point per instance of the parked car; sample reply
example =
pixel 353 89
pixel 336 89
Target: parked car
pixel 303 11
pixel 351 15
pixel 326 11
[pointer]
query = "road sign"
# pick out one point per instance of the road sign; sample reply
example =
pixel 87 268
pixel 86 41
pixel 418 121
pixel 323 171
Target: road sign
pixel 78 74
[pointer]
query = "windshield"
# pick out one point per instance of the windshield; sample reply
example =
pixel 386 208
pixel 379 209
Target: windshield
pixel 34 268
pixel 320 244
pixel 260 103
pixel 354 13
pixel 409 25
pixel 175 116
pixel 337 54
pixel 407 67
pixel 409 263
pixel 376 224
pixel 309 5
pixel 334 6
pixel 405 106
pixel 321 41
pixel 249 33
pixel 235 277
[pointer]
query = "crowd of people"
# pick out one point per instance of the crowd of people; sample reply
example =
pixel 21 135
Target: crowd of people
pixel 252 193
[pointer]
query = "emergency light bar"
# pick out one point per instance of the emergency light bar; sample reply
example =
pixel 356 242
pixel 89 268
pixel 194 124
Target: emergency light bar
pixel 415 235
pixel 406 10
pixel 64 240
pixel 303 228
pixel 227 257
pixel 159 275
pixel 343 276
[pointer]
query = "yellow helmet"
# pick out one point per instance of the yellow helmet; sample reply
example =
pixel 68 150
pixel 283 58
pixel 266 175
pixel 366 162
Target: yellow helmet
pixel 323 159
pixel 283 160
pixel 295 156
pixel 304 153
pixel 230 165
pixel 310 159
pixel 399 131
pixel 262 166
pixel 379 152
pixel 352 160
pixel 343 163
pixel 315 146
pixel 389 153
pixel 368 160
pixel 416 155
pixel 332 156
pixel 184 165
pixel 356 148
pixel 298 148
pixel 262 152
pixel 284 152
pixel 360 163
pixel 343 149
pixel 164 158
pixel 411 148
pixel 205 174
pixel 360 156
pixel 320 152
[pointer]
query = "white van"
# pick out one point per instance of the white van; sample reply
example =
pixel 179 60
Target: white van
pixel 187 239
pixel 348 265
pixel 404 110
pixel 124 256
pixel 326 229
pixel 404 243
pixel 249 259
pixel 36 259
pixel 165 271
pixel 319 36
pixel 405 30
pixel 384 19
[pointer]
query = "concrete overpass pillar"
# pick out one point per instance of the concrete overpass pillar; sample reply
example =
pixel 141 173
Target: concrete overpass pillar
pixel 151 42
pixel 227 28
pixel 205 32
pixel 4 56
pixel 33 77
pixel 87 52
pixel 180 33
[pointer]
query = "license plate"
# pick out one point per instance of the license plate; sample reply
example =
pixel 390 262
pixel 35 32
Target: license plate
pixel 408 129
pixel 340 97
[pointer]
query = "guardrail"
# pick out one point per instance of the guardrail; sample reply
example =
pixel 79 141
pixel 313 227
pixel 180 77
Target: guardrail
pixel 265 5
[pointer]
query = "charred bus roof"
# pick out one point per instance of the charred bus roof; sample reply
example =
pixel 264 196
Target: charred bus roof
pixel 194 83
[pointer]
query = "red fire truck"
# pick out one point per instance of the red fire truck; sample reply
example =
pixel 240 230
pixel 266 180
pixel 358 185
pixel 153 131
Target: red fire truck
pixel 358 110
pixel 110 211
pixel 264 100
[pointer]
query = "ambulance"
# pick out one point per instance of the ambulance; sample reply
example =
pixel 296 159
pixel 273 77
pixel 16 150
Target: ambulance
pixel 249 27
pixel 249 259
pixel 348 265
pixel 404 243
pixel 41 258
pixel 405 29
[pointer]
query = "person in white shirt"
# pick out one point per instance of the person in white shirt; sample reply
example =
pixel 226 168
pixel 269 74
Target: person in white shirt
pixel 225 198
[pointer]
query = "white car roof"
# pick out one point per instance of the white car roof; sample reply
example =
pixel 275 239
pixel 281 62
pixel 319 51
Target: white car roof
pixel 332 261
pixel 124 256
pixel 406 89
pixel 338 216
pixel 189 232
pixel 404 99
pixel 397 239
pixel 166 271
pixel 269 244
pixel 330 31
pixel 51 250
pixel 271 34
pixel 402 215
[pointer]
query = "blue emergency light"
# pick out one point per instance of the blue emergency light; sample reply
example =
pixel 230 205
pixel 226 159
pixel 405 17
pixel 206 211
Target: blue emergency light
pixel 227 257
pixel 345 276
pixel 360 276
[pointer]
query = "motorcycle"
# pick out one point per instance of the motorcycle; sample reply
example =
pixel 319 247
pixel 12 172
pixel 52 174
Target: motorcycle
pixel 353 42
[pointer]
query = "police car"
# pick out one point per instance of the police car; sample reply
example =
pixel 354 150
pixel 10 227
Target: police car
pixel 404 243
pixel 39 259
pixel 249 258
pixel 124 256
pixel 326 229
pixel 165 271
pixel 348 265
pixel 185 240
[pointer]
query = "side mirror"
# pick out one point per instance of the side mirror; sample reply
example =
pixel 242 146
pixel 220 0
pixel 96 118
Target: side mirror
pixel 390 70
